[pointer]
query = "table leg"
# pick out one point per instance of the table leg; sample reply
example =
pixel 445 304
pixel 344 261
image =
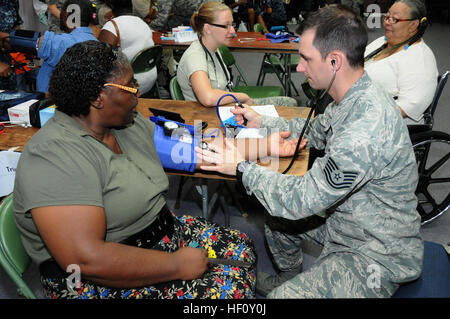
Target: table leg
pixel 203 190
pixel 226 212
pixel 287 74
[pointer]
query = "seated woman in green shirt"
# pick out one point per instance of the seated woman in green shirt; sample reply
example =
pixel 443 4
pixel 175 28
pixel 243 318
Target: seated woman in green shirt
pixel 201 73
pixel 90 196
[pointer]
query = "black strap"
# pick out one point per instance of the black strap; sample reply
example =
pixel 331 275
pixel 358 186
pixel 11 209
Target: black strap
pixel 375 52
pixel 229 84
pixel 222 64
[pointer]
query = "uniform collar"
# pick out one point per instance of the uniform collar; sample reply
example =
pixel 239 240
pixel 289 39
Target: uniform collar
pixel 347 104
pixel 360 85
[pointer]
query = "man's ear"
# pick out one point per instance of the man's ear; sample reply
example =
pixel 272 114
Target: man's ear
pixel 335 59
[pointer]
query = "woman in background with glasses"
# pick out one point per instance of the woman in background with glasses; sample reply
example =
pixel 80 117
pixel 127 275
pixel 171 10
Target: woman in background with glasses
pixel 401 61
pixel 202 74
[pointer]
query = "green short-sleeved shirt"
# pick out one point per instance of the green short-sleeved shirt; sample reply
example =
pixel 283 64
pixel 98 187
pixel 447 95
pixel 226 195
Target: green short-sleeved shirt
pixel 64 165
pixel 193 60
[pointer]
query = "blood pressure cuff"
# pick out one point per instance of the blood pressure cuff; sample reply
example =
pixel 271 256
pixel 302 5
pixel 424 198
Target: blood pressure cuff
pixel 176 152
pixel 24 41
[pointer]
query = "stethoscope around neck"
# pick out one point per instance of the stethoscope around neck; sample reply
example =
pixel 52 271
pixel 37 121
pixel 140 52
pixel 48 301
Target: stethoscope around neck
pixel 229 84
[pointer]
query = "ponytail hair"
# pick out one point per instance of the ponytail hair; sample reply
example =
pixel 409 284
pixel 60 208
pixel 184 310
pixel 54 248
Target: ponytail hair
pixel 206 14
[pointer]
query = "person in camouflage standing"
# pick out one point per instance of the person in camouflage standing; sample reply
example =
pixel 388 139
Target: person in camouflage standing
pixel 364 184
pixel 170 13
pixel 53 14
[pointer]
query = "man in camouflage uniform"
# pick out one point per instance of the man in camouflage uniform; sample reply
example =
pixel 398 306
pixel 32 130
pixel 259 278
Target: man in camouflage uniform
pixel 53 13
pixel 364 184
pixel 172 13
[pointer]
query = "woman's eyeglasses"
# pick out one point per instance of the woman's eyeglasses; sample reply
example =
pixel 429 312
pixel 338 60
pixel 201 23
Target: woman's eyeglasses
pixel 133 90
pixel 223 26
pixel 393 20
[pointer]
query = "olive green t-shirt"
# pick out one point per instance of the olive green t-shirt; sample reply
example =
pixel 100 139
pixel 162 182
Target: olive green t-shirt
pixel 196 59
pixel 64 165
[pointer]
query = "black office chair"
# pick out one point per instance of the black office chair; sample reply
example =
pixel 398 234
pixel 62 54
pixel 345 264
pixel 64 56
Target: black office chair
pixel 146 60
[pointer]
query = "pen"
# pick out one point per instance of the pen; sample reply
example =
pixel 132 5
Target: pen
pixel 241 106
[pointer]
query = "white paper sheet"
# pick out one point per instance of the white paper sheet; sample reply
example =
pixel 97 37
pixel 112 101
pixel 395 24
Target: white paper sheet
pixel 8 164
pixel 225 113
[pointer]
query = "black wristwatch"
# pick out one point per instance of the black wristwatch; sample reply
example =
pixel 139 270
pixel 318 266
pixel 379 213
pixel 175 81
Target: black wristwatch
pixel 240 168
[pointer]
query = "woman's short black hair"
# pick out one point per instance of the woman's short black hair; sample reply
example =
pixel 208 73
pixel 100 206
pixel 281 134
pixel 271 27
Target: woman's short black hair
pixel 80 74
pixel 338 28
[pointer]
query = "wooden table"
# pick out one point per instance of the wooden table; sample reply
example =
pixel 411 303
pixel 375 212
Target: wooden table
pixel 243 42
pixel 246 42
pixel 193 111
pixel 190 111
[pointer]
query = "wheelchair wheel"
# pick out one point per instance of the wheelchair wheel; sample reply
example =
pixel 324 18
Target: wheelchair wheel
pixel 432 150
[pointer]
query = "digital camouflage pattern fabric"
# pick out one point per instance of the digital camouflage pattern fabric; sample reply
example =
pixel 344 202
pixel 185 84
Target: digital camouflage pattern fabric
pixel 182 11
pixel 364 184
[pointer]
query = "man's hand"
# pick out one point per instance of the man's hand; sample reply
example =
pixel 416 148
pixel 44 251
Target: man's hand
pixel 253 118
pixel 220 159
pixel 5 70
pixel 279 146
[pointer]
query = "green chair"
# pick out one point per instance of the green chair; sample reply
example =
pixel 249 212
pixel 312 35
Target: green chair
pixel 252 91
pixel 175 90
pixel 146 60
pixel 274 63
pixel 257 27
pixel 13 256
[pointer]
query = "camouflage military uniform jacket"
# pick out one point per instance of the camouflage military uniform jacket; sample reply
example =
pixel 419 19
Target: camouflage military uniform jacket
pixel 182 11
pixel 365 182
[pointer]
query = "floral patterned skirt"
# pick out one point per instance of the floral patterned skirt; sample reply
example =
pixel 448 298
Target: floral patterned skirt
pixel 219 281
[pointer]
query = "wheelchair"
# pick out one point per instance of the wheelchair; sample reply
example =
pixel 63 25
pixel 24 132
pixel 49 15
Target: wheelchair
pixel 432 151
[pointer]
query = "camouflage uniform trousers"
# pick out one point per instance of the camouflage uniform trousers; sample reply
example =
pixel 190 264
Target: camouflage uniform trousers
pixel 338 275
pixel 276 100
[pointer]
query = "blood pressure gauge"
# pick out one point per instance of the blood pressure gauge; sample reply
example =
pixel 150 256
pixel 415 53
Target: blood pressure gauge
pixel 175 131
pixel 170 127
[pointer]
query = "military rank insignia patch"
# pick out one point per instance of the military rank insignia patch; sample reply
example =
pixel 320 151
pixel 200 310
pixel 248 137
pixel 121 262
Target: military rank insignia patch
pixel 336 178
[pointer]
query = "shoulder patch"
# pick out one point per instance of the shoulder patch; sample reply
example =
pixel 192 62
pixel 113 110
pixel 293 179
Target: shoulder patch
pixel 336 178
